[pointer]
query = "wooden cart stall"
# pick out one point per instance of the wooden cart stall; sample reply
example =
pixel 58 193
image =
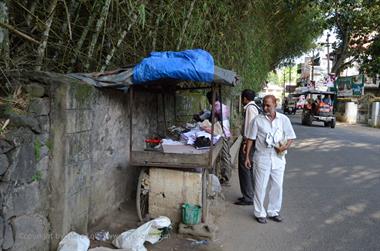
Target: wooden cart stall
pixel 188 159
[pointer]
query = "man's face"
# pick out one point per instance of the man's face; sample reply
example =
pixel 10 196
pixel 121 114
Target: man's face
pixel 269 106
pixel 245 101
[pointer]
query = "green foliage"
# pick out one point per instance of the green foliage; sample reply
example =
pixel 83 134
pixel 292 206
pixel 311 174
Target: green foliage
pixel 82 93
pixel 356 23
pixel 370 59
pixel 252 37
pixel 49 144
pixel 37 176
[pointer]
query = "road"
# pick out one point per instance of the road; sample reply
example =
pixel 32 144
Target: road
pixel 331 196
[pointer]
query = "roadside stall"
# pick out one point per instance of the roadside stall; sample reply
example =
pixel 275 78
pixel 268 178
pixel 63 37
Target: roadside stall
pixel 167 161
pixel 181 157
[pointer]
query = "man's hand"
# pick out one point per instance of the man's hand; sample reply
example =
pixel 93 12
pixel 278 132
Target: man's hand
pixel 285 147
pixel 281 149
pixel 244 148
pixel 247 163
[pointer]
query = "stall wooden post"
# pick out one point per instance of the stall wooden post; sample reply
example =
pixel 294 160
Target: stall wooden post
pixel 130 121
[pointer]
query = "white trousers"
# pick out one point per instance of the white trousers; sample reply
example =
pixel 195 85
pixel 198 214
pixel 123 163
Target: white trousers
pixel 264 174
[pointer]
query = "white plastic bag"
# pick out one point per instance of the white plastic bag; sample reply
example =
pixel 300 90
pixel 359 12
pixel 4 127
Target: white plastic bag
pixel 215 184
pixel 133 240
pixel 74 242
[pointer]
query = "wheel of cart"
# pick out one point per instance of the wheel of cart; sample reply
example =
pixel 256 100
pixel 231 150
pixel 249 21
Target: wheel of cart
pixel 142 196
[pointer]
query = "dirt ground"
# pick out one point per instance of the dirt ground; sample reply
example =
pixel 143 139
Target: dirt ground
pixel 126 218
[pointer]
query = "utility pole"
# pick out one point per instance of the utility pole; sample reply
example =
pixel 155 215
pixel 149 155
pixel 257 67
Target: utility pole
pixel 328 53
pixel 284 80
pixel 312 67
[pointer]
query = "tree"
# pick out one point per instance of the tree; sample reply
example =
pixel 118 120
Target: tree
pixel 252 37
pixel 370 60
pixel 356 23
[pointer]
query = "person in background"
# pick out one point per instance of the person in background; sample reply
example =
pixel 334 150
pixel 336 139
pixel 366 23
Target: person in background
pixel 222 114
pixel 246 175
pixel 327 100
pixel 271 135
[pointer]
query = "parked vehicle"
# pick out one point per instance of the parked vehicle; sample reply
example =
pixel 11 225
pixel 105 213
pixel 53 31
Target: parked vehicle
pixel 289 105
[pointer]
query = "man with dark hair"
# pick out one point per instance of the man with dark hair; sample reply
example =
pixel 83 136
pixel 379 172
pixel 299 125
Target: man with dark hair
pixel 271 134
pixel 246 175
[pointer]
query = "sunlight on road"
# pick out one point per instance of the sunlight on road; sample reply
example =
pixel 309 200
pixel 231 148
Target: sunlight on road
pixel 350 211
pixel 326 144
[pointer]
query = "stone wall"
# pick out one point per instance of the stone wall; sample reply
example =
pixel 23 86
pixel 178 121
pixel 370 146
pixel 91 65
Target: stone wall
pixel 64 163
pixel 24 164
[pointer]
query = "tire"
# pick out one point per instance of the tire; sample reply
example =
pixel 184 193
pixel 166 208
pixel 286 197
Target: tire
pixel 308 120
pixel 142 195
pixel 327 124
pixel 333 123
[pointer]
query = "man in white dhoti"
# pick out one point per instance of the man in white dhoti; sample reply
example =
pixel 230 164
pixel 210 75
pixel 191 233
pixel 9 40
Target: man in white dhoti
pixel 271 134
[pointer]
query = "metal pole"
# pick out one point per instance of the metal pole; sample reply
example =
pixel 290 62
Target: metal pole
pixel 284 80
pixel 130 121
pixel 312 67
pixel 328 53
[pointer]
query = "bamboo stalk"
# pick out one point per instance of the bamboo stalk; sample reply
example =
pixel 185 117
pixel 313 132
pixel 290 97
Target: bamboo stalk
pixel 121 38
pixel 68 23
pixel 31 13
pixel 156 27
pixel 185 24
pixel 45 36
pixel 82 38
pixel 4 43
pixel 19 33
pixel 99 24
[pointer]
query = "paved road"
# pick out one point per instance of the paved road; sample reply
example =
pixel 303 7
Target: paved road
pixel 331 196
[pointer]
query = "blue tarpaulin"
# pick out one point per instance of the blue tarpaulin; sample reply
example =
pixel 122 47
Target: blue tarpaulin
pixel 196 65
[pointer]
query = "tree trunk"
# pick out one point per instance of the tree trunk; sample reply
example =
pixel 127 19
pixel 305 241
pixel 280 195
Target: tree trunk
pixel 121 38
pixel 45 36
pixel 343 53
pixel 4 35
pixel 99 24
pixel 82 38
pixel 185 25
pixel 70 11
pixel 31 12
pixel 154 41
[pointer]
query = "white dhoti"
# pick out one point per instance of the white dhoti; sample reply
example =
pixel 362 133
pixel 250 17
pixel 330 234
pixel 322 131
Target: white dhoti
pixel 268 170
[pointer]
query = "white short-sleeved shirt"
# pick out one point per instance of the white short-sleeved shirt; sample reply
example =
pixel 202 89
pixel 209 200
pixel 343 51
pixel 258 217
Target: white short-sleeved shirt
pixel 258 130
pixel 250 113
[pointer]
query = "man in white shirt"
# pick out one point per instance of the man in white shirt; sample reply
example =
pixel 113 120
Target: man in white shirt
pixel 246 175
pixel 271 134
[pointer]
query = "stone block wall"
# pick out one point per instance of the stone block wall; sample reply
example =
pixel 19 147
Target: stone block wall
pixel 24 164
pixel 64 164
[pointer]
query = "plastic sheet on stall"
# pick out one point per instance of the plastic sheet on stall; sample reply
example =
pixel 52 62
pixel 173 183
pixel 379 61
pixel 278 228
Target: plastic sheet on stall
pixel 196 65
